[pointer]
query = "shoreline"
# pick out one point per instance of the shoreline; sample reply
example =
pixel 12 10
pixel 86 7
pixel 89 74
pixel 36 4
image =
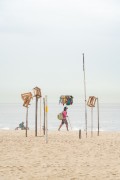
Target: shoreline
pixel 63 129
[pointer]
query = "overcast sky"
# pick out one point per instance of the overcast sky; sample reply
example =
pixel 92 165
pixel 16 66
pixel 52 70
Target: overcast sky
pixel 42 41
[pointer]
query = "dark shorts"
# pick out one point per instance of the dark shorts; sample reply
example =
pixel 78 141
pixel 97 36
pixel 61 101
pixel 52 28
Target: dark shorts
pixel 64 121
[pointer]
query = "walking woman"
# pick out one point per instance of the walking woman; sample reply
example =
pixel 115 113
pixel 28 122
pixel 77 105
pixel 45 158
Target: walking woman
pixel 64 120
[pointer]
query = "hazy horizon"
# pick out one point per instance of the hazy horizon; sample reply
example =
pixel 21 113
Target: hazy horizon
pixel 41 44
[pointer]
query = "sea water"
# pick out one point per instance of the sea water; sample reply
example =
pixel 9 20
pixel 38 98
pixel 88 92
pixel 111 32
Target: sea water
pixel 12 114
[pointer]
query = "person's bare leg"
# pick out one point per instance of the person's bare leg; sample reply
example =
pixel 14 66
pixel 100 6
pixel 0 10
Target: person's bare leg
pixel 67 126
pixel 60 126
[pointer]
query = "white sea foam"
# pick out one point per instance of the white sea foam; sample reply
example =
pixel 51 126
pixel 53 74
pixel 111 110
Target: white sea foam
pixel 6 128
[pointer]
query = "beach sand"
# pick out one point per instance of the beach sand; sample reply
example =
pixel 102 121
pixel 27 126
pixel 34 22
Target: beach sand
pixel 65 156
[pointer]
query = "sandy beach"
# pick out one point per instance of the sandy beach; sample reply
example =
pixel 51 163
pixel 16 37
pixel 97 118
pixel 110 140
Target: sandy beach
pixel 65 156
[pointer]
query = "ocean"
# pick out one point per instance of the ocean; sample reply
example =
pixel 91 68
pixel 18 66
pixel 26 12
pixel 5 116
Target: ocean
pixel 12 114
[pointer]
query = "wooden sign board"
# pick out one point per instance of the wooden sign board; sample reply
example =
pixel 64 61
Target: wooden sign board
pixel 91 101
pixel 37 92
pixel 26 97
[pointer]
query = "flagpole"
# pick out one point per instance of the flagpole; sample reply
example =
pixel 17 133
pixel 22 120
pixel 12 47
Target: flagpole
pixel 85 96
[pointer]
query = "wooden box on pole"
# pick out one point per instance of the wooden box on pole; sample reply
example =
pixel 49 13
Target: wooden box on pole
pixel 91 103
pixel 26 97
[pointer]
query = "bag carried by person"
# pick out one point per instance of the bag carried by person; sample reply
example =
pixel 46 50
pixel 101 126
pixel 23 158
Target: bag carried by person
pixel 60 116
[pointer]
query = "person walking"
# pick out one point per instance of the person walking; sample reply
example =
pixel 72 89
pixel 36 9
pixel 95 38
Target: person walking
pixel 64 120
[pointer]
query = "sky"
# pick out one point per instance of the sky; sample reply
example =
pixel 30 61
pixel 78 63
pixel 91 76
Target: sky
pixel 42 42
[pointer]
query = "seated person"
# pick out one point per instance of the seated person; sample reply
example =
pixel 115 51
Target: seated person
pixel 21 125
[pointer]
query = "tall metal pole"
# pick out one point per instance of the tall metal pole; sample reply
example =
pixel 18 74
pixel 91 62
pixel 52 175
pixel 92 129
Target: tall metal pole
pixel 40 117
pixel 98 115
pixel 46 123
pixel 36 107
pixel 44 116
pixel 85 95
